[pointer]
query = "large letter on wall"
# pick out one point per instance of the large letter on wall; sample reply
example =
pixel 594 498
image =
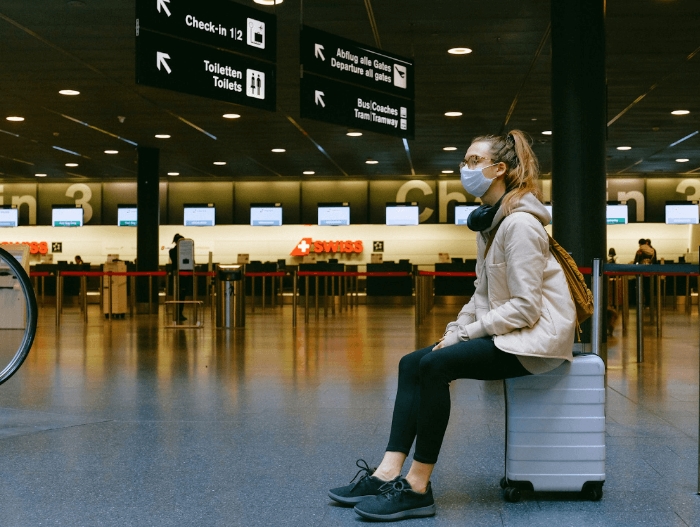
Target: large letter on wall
pixel 689 183
pixel 30 202
pixel 84 201
pixel 444 198
pixel 419 185
pixel 638 197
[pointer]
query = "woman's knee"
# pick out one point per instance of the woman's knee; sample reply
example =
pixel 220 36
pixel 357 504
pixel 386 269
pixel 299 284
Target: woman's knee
pixel 431 367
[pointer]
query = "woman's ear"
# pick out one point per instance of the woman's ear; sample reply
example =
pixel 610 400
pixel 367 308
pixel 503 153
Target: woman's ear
pixel 501 169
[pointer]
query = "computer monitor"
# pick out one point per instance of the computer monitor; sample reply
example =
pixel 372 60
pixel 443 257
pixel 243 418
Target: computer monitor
pixel 402 213
pixel 199 215
pixel 334 214
pixel 463 211
pixel 616 213
pixel 9 216
pixel 682 213
pixel 66 216
pixel 127 216
pixel 548 206
pixel 266 214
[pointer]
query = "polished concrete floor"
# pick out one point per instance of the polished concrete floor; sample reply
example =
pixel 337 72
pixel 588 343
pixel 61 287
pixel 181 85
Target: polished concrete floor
pixel 128 423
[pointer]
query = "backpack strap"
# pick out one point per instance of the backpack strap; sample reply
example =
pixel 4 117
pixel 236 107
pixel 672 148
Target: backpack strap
pixel 492 235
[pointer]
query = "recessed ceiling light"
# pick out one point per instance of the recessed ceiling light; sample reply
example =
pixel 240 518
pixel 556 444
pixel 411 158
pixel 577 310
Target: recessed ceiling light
pixel 69 92
pixel 220 163
pixel 449 148
pixel 682 160
pixel 71 164
pixel 459 51
pixel 680 112
pixel 278 150
pixel 308 172
pixel 534 119
pixel 173 173
pixel 354 134
pixel 15 118
pixel 231 116
pixel 547 132
pixel 371 162
pixel 40 175
pixel 453 114
pixel 448 171
pixel 268 2
pixel 162 136
pixel 112 152
pixel 624 148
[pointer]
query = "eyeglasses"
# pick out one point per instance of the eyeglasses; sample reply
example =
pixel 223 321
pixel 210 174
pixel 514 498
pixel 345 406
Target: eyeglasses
pixel 473 161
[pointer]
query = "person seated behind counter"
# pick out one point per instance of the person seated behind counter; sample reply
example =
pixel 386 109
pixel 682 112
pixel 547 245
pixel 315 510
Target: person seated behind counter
pixel 645 254
pixel 519 321
pixel 78 259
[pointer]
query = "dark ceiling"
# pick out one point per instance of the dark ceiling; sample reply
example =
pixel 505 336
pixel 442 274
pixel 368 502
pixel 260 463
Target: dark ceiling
pixel 88 45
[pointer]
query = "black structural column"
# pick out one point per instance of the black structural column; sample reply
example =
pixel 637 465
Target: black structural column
pixel 147 227
pixel 579 129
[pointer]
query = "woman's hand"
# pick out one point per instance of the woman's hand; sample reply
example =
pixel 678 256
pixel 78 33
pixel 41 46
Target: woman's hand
pixel 438 344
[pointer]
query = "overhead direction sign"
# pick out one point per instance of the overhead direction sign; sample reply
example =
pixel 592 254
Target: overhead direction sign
pixel 356 107
pixel 174 64
pixel 349 61
pixel 223 24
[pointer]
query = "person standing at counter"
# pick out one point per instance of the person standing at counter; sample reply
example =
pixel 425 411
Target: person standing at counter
pixel 520 321
pixel 185 282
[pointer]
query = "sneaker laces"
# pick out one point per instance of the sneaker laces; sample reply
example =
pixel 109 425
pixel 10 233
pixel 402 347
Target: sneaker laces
pixel 368 471
pixel 393 489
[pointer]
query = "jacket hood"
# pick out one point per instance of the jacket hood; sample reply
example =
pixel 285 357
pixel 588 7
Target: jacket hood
pixel 528 203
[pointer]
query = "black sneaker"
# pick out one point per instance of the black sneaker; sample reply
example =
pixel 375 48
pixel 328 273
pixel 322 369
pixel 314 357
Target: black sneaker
pixel 365 487
pixel 397 501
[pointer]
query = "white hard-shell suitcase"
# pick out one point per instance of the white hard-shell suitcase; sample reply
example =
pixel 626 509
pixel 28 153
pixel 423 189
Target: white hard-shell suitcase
pixel 555 430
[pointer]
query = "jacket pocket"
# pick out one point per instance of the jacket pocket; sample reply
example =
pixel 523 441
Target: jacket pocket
pixel 497 284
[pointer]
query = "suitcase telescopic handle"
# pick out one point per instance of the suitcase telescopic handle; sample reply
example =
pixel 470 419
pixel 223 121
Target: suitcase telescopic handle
pixel 597 318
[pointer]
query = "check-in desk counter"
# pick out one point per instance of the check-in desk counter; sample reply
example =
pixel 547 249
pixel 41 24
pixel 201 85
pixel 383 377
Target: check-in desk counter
pixel 386 286
pixel 321 267
pixel 455 285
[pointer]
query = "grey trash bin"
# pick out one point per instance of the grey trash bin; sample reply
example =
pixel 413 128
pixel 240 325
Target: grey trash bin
pixel 230 293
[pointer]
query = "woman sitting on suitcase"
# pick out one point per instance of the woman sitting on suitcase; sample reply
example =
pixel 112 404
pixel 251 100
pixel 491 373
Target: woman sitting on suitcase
pixel 519 321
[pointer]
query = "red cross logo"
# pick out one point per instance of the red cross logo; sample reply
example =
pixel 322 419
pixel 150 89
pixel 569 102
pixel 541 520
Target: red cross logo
pixel 302 248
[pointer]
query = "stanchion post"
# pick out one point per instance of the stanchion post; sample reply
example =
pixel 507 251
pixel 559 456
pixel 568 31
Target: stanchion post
pixel 624 287
pixel 316 297
pixel 294 299
pixel 325 297
pixel 416 285
pixel 83 297
pixel 132 296
pixel 263 291
pixel 687 294
pixel 150 293
pixel 110 296
pixel 252 294
pixel 333 293
pixel 58 298
pixel 306 299
pixel 658 305
pixel 640 319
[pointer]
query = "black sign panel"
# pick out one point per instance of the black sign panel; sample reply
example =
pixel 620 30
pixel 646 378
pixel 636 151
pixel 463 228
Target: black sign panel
pixel 174 64
pixel 355 107
pixel 224 24
pixel 342 59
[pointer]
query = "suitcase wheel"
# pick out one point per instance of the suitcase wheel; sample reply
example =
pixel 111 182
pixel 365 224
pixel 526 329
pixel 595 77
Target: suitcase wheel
pixel 592 491
pixel 511 494
pixel 503 483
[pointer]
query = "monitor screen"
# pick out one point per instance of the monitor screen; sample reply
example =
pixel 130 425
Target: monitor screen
pixel 67 217
pixel 616 214
pixel 462 212
pixel 9 217
pixel 682 213
pixel 402 214
pixel 333 214
pixel 266 214
pixel 127 215
pixel 200 215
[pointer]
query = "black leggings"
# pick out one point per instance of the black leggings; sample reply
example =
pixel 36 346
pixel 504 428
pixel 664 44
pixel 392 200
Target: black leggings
pixel 422 407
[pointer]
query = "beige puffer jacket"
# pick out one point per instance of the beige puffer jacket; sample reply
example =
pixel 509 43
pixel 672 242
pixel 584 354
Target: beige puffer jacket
pixel 521 298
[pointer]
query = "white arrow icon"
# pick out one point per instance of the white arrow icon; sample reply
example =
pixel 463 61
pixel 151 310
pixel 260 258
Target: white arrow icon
pixel 318 98
pixel 163 4
pixel 318 51
pixel 160 59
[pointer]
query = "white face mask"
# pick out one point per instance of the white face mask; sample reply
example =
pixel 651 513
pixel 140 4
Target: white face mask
pixel 474 181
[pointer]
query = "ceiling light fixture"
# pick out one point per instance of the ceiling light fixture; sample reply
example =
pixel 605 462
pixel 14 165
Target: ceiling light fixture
pixel 547 132
pixel 308 172
pixel 162 136
pixel 449 148
pixel 682 160
pixel 220 163
pixel 371 162
pixel 352 133
pixel 231 116
pixel 268 2
pixel 624 148
pixel 453 114
pixel 69 92
pixel 448 171
pixel 15 118
pixel 173 173
pixel 71 165
pixel 278 150
pixel 40 175
pixel 680 112
pixel 459 51
pixel 111 152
